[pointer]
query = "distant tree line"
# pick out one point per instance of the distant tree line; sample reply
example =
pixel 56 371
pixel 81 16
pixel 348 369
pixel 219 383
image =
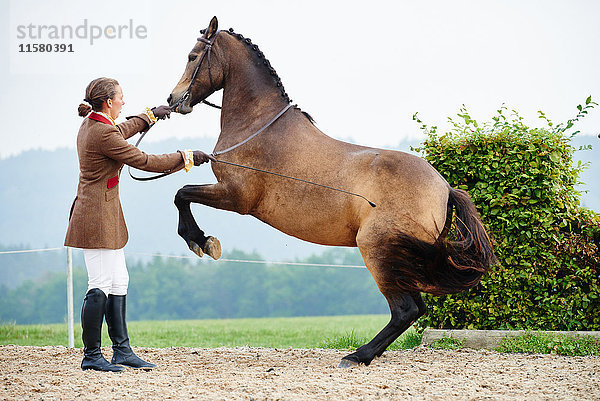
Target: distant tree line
pixel 170 289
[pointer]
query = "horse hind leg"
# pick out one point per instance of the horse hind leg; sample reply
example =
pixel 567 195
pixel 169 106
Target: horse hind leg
pixel 405 307
pixel 405 310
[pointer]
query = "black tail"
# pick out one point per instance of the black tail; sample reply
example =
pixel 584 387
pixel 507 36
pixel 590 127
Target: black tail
pixel 446 266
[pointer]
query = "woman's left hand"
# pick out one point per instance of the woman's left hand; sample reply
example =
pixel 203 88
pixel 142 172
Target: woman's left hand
pixel 200 157
pixel 161 112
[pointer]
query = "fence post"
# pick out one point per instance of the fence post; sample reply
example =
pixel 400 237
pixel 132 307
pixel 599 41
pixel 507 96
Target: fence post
pixel 70 297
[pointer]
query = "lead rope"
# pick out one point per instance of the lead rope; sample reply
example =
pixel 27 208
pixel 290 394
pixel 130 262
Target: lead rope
pixel 297 179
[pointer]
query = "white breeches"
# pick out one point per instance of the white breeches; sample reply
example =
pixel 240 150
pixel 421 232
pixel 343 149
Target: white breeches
pixel 106 270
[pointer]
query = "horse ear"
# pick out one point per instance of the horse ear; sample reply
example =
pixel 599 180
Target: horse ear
pixel 212 27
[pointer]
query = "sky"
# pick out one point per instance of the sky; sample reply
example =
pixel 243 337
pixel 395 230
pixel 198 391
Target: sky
pixel 361 69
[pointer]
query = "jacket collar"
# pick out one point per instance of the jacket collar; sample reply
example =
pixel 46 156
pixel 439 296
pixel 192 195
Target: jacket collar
pixel 103 118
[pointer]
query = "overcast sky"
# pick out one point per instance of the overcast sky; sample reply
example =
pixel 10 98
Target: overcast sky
pixel 360 68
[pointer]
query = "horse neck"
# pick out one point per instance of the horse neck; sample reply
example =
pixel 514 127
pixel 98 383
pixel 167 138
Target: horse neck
pixel 250 97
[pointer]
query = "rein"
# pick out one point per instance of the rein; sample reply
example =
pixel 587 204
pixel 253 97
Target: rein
pixel 149 178
pixel 215 154
pixel 220 152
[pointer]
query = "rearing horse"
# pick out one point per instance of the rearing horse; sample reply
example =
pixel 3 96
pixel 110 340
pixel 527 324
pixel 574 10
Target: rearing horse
pixel 403 240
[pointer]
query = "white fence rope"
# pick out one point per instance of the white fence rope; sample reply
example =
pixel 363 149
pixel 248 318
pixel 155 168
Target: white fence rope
pixel 31 250
pixel 263 262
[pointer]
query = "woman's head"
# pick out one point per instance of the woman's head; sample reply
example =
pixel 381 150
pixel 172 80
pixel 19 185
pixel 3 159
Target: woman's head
pixel 102 94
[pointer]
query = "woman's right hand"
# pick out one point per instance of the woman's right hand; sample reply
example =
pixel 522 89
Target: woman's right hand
pixel 200 157
pixel 161 112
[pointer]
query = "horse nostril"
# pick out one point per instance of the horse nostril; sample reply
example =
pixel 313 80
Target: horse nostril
pixel 169 99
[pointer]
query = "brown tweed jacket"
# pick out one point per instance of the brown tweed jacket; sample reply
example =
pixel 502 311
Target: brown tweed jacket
pixel 96 219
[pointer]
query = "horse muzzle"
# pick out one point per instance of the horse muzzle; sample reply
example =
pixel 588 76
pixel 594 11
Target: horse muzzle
pixel 182 104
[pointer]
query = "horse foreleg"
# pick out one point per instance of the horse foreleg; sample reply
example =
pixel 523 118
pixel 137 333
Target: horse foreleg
pixel 405 309
pixel 214 195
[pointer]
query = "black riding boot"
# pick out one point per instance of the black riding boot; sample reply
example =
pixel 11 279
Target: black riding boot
pixel 117 330
pixel 92 315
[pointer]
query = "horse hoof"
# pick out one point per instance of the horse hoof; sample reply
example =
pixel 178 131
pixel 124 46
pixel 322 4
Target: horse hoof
pixel 347 363
pixel 196 249
pixel 212 248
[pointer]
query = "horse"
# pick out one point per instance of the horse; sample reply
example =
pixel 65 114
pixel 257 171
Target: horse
pixel 401 231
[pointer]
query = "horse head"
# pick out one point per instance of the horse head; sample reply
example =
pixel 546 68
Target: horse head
pixel 220 55
pixel 202 75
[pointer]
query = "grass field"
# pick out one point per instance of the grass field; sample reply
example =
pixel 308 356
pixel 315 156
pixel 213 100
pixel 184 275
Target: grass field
pixel 297 332
pixel 338 332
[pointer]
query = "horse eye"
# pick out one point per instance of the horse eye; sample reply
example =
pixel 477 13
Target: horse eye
pixel 192 57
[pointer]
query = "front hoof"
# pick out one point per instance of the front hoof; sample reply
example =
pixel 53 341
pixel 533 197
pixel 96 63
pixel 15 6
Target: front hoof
pixel 196 249
pixel 348 363
pixel 212 248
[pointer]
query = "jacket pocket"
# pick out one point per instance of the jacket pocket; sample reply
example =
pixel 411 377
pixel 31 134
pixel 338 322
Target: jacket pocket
pixel 111 193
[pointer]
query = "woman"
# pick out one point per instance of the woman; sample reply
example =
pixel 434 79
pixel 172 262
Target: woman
pixel 96 222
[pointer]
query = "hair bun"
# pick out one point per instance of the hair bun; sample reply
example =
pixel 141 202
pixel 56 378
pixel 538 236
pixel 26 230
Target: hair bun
pixel 84 109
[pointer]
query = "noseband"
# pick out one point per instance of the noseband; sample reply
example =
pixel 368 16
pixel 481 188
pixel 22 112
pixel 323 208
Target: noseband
pixel 207 50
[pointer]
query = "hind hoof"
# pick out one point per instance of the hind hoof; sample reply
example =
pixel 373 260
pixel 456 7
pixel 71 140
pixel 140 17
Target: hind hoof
pixel 347 363
pixel 212 248
pixel 196 249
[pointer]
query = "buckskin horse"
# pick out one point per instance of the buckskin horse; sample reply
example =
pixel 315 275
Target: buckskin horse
pixel 403 240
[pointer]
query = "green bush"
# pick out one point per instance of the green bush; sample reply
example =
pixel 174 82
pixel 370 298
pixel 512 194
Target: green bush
pixel 522 181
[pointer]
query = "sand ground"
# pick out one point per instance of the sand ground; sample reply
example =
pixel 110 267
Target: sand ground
pixel 53 373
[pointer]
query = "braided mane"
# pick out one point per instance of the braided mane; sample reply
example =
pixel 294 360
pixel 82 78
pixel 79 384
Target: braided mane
pixel 266 64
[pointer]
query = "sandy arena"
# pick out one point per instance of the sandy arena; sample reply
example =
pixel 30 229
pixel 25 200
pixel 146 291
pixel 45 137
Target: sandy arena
pixel 52 373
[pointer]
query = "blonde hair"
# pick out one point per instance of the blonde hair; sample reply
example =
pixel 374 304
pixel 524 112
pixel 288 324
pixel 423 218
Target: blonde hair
pixel 96 93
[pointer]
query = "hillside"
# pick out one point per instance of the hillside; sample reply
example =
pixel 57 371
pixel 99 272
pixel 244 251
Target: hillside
pixel 37 188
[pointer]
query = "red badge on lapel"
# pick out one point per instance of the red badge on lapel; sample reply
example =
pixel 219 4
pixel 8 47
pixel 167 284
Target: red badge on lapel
pixel 113 181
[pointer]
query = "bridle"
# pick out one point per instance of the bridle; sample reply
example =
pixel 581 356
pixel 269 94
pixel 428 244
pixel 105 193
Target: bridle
pixel 207 51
